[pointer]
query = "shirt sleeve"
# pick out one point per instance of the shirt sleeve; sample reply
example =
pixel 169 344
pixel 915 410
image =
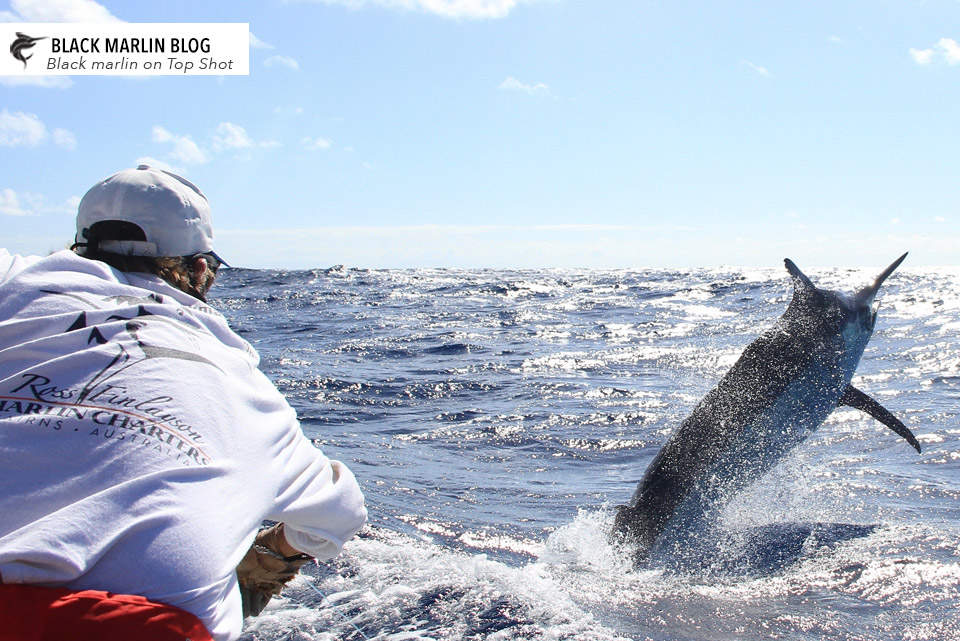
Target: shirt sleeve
pixel 321 505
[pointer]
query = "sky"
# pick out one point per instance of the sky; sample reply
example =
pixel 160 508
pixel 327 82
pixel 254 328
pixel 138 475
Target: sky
pixel 521 133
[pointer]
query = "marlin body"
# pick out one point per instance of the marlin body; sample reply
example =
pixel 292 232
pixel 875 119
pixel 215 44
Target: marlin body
pixel 778 392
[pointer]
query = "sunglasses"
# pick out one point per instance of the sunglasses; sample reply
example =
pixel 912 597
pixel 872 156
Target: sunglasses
pixel 213 261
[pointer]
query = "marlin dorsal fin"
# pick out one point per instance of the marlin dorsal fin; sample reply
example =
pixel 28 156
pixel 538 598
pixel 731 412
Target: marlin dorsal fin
pixel 858 400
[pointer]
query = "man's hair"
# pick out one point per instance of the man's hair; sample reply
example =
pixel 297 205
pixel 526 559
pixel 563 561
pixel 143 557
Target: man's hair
pixel 176 270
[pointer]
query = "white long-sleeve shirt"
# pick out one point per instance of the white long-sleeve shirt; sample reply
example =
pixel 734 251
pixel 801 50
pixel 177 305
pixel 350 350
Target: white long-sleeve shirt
pixel 140 445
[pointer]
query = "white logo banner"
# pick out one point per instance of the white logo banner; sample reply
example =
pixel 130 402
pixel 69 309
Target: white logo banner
pixel 124 49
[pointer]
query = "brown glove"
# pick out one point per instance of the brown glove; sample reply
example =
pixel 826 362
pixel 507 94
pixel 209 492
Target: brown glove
pixel 264 570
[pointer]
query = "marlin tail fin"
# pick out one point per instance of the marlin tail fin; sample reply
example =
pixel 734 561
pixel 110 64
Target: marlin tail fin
pixel 800 280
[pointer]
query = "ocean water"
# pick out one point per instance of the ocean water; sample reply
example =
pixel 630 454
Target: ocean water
pixel 496 418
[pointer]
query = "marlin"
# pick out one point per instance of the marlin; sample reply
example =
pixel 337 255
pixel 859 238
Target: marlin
pixel 778 392
pixel 23 42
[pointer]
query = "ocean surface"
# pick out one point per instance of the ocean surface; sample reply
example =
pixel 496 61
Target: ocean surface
pixel 496 418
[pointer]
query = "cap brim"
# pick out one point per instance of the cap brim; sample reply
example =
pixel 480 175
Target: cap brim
pixel 217 256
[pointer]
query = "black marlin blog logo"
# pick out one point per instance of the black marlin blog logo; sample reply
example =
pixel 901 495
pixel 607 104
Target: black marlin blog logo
pixel 22 43
pixel 168 48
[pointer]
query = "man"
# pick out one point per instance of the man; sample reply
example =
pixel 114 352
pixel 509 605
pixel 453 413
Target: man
pixel 140 446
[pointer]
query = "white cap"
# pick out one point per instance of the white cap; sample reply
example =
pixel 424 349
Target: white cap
pixel 172 212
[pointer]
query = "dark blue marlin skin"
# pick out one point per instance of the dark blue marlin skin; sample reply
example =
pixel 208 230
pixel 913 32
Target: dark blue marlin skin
pixel 778 392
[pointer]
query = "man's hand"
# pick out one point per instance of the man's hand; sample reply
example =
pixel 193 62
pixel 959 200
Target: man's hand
pixel 267 568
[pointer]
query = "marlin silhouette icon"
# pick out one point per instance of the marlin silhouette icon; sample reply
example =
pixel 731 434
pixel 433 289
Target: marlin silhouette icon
pixel 22 42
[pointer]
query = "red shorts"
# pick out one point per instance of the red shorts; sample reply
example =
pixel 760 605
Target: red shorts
pixel 32 613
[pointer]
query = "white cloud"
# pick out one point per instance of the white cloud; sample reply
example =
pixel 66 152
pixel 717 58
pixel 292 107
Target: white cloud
pixel 156 163
pixel 160 134
pixel 65 138
pixel 946 49
pixel 10 204
pixel 921 56
pixel 231 136
pixel 760 70
pixel 187 151
pixel 894 221
pixel 257 43
pixel 49 82
pixel 315 144
pixel 511 83
pixel 30 204
pixel 228 136
pixel 292 111
pixel 950 50
pixel 475 9
pixel 62 11
pixel 184 149
pixel 284 61
pixel 18 129
pixel 939 219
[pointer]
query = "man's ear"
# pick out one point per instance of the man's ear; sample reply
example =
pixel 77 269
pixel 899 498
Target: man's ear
pixel 199 267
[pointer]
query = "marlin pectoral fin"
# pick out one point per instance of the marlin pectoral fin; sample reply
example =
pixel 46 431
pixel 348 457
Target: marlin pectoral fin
pixel 857 399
